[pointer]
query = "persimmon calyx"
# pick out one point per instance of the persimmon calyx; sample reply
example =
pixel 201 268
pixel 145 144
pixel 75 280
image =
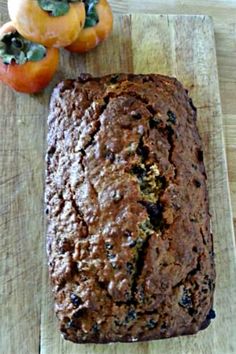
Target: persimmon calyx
pixel 91 13
pixel 56 8
pixel 16 49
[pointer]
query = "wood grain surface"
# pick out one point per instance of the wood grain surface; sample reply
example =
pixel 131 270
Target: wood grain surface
pixel 173 45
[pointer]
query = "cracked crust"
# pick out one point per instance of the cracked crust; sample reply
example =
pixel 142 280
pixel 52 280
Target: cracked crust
pixel 129 242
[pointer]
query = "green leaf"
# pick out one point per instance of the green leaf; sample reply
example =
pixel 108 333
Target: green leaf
pixel 21 58
pixel 91 13
pixel 36 53
pixel 7 58
pixel 2 46
pixel 17 43
pixel 90 22
pixel 14 48
pixel 56 7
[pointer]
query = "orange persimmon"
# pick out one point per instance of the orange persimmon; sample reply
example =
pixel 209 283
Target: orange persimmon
pixel 91 36
pixel 25 66
pixel 41 26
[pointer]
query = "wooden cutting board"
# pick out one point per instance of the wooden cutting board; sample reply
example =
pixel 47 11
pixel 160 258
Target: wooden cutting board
pixel 181 46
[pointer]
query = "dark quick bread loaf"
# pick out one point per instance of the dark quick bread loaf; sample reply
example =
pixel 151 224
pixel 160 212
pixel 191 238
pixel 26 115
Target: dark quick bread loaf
pixel 129 242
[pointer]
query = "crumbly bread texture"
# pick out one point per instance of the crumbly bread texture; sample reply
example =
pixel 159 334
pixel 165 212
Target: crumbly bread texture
pixel 129 243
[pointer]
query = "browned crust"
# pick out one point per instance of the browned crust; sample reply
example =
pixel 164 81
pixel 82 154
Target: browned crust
pixel 129 242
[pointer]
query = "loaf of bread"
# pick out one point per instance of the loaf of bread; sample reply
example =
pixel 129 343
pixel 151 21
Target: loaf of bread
pixel 129 242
